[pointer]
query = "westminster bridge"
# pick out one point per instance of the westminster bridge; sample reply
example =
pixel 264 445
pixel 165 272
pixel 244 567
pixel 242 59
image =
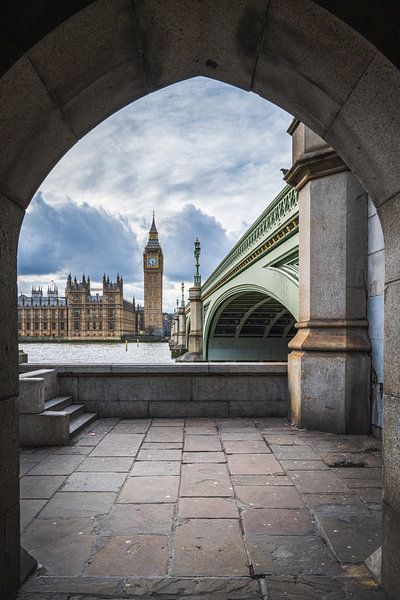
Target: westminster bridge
pixel 250 303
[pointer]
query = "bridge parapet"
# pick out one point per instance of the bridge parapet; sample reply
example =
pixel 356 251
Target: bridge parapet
pixel 278 221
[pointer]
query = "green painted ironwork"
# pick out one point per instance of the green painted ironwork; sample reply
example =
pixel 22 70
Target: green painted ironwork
pixel 275 224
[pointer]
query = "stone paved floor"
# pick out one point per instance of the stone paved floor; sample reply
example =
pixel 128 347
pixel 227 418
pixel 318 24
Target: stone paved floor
pixel 224 509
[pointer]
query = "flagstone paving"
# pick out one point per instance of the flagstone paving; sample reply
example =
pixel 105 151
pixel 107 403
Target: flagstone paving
pixel 212 509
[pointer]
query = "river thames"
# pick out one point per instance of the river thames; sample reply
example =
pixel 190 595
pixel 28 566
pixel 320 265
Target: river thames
pixel 142 352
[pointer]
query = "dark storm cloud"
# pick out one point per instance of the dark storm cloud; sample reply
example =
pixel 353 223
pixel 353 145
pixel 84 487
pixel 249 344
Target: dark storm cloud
pixel 70 237
pixel 177 235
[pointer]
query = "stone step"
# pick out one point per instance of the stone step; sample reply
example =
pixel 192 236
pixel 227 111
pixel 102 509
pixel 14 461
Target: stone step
pixel 78 423
pixel 58 403
pixel 49 377
pixel 74 410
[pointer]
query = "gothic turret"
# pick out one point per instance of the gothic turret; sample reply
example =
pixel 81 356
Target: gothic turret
pixel 153 242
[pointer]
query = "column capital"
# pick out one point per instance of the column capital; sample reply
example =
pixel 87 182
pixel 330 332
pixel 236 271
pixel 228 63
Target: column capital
pixel 313 166
pixel 311 156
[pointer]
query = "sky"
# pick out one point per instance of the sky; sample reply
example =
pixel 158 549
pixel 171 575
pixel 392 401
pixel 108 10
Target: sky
pixel 204 155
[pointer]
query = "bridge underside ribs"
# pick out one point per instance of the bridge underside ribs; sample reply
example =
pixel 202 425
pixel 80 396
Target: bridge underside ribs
pixel 251 326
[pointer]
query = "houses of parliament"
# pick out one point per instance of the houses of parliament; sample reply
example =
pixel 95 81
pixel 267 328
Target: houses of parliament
pixel 85 313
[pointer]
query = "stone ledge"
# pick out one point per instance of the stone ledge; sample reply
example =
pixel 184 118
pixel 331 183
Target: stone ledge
pixel 204 368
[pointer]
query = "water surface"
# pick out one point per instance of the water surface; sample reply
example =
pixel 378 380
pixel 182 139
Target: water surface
pixel 75 353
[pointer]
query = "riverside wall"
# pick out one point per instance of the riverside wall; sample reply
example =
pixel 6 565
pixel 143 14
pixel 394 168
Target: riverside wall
pixel 176 390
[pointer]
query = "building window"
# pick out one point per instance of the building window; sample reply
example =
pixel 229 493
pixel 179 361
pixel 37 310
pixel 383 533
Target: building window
pixel 62 325
pixel 77 325
pixel 53 324
pixel 111 325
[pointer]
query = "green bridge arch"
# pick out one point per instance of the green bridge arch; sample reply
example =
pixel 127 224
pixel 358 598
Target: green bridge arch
pixel 251 317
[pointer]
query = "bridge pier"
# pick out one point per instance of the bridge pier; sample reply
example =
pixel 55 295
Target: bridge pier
pixel 180 348
pixel 329 366
pixel 174 329
pixel 195 349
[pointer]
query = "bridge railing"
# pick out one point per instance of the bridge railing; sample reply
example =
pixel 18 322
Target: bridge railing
pixel 281 215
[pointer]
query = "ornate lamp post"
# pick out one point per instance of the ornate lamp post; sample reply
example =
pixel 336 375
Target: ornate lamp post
pixel 183 295
pixel 197 251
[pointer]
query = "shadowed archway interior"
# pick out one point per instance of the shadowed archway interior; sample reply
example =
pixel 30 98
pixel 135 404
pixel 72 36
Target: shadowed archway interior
pixel 251 326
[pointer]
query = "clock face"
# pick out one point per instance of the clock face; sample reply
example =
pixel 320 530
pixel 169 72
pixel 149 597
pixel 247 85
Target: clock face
pixel 152 261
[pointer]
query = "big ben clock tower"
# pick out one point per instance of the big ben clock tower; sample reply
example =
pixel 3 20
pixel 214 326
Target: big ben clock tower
pixel 153 279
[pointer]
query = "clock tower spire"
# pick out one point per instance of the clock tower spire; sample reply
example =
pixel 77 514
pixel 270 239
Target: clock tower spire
pixel 153 264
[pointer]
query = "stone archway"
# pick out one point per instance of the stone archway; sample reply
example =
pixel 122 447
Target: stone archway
pixel 99 56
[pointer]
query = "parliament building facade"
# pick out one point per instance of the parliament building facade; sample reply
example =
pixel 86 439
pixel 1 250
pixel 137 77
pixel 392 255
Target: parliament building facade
pixel 90 314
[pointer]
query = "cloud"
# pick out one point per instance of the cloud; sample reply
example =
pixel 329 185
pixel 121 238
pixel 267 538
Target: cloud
pixel 177 236
pixel 197 142
pixel 205 155
pixel 78 238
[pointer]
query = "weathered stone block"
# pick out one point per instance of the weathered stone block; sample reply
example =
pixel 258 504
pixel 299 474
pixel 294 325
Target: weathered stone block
pixel 199 45
pixel 31 395
pixel 368 114
pixel 270 407
pixel 50 428
pixel 391 551
pixel 330 391
pixel 392 328
pixel 126 409
pixel 189 409
pixel 391 439
pixel 104 29
pixel 10 223
pixel 291 59
pixel 9 552
pixel 9 455
pixel 26 103
pixel 49 378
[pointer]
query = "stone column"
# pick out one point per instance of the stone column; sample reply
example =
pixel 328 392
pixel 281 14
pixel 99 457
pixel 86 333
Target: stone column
pixel 195 343
pixel 182 328
pixel 196 323
pixel 389 213
pixel 180 348
pixel 174 331
pixel 10 222
pixel 329 366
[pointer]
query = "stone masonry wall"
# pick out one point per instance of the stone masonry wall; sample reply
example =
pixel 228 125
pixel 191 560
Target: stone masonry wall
pixel 177 390
pixel 376 282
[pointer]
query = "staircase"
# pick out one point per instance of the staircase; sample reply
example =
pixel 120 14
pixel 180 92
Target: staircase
pixel 77 416
pixel 46 419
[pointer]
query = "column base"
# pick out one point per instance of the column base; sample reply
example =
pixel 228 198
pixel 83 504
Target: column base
pixel 329 391
pixel 191 357
pixel 195 342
